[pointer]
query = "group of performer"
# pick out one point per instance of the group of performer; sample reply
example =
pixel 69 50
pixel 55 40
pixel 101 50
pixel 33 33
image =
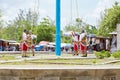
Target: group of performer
pixel 80 43
pixel 27 43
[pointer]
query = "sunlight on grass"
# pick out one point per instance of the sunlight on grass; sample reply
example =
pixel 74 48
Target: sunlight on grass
pixel 7 57
pixel 56 61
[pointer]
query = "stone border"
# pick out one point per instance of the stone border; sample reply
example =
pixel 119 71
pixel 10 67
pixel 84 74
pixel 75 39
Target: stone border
pixel 60 73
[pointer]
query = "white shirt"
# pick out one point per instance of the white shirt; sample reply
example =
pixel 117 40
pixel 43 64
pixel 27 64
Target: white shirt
pixel 82 36
pixel 75 38
pixel 24 36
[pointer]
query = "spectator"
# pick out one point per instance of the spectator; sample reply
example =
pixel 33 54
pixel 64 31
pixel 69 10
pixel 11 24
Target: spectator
pixel 90 46
pixel 113 43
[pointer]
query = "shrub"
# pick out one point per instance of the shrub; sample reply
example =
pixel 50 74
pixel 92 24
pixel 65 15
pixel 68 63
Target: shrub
pixel 102 54
pixel 99 55
pixel 94 61
pixel 107 54
pixel 116 54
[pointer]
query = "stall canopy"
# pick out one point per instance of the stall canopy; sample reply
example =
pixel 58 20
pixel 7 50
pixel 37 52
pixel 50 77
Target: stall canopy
pixel 91 35
pixel 113 33
pixel 43 42
pixel 9 41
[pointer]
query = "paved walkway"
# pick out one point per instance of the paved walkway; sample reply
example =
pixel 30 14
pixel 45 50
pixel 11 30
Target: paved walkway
pixel 53 56
pixel 60 67
pixel 48 56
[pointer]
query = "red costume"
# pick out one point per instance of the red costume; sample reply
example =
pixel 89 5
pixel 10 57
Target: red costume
pixel 24 46
pixel 83 43
pixel 75 38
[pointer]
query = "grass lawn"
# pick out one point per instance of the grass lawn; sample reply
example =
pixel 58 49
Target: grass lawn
pixel 56 61
pixel 7 57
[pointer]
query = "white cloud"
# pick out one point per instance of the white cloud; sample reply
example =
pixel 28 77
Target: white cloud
pixel 94 16
pixel 47 8
pixel 10 11
pixel 63 22
pixel 42 12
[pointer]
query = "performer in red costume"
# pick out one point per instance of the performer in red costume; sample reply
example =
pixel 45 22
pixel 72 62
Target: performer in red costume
pixel 75 42
pixel 24 44
pixel 83 42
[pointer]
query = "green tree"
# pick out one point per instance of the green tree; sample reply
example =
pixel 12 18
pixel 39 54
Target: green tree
pixel 72 28
pixel 75 26
pixel 79 26
pixel 66 39
pixel 91 29
pixel 24 20
pixel 27 19
pixel 109 21
pixel 1 24
pixel 45 31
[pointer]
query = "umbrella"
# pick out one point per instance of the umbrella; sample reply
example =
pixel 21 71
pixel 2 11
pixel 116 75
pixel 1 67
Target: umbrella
pixel 66 45
pixel 34 36
pixel 92 35
pixel 113 33
pixel 68 33
pixel 52 43
pixel 50 46
pixel 44 42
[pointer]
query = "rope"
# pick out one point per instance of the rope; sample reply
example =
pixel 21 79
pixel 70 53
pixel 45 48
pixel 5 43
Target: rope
pixel 71 9
pixel 37 14
pixel 77 9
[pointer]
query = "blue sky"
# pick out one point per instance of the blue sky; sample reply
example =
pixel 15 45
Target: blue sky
pixel 89 10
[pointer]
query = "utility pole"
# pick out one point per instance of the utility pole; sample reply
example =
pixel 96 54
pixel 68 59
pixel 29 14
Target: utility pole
pixel 58 39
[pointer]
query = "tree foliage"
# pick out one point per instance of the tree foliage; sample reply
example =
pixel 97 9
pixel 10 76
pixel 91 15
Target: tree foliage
pixel 66 39
pixel 24 20
pixel 1 24
pixel 90 29
pixel 79 26
pixel 72 28
pixel 110 19
pixel 45 31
